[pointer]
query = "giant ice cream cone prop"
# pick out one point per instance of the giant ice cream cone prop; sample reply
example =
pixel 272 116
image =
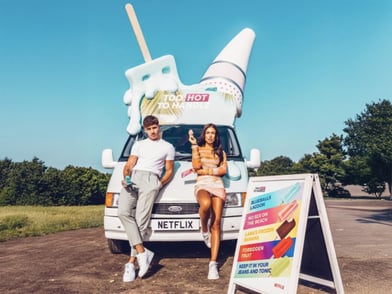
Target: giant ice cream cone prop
pixel 155 87
pixel 228 71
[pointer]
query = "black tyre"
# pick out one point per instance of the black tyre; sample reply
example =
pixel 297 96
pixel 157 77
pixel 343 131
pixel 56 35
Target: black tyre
pixel 118 246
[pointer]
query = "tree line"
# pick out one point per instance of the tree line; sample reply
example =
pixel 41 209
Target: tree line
pixel 363 156
pixel 32 183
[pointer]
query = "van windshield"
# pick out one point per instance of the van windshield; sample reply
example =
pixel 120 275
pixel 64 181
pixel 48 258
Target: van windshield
pixel 178 136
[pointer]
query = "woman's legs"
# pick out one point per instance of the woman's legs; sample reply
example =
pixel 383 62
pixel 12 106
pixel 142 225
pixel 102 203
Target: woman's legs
pixel 217 208
pixel 204 200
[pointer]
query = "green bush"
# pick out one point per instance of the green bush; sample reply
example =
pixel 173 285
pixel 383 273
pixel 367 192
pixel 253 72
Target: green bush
pixel 13 222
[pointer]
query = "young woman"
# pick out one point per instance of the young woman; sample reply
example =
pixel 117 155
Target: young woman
pixel 209 162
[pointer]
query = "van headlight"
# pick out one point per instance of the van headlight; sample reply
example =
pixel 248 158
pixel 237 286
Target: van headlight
pixel 233 200
pixel 111 199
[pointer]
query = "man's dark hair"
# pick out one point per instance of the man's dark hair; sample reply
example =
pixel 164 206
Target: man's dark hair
pixel 150 120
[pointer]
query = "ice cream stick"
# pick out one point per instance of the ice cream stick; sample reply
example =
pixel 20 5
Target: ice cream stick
pixel 138 32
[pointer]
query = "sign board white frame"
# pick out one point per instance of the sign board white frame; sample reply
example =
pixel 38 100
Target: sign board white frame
pixel 284 236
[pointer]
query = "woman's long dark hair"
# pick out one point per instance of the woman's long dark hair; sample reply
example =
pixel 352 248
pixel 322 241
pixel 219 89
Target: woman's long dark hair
pixel 218 150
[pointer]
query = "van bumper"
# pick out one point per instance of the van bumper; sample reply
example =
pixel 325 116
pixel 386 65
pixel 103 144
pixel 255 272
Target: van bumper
pixel 114 230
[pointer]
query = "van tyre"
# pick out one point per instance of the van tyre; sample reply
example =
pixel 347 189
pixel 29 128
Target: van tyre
pixel 118 246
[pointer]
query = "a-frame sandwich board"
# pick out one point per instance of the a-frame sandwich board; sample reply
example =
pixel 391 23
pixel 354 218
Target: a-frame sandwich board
pixel 284 236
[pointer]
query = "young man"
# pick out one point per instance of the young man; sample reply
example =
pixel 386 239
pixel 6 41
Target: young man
pixel 145 164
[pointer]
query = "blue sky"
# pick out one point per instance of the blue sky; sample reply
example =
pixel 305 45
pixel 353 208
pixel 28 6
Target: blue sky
pixel 314 65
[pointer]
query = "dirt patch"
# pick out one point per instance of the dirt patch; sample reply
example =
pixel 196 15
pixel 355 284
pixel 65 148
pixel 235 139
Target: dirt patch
pixel 80 262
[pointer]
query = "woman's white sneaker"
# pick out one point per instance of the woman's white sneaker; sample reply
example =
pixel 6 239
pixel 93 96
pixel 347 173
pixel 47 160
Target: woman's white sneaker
pixel 213 270
pixel 207 238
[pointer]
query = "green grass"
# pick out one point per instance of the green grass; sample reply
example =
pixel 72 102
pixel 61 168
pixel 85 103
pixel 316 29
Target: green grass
pixel 24 221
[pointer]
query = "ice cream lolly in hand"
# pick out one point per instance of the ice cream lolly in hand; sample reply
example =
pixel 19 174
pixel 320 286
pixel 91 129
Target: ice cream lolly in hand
pixel 192 138
pixel 278 267
pixel 287 212
pixel 285 228
pixel 291 194
pixel 281 248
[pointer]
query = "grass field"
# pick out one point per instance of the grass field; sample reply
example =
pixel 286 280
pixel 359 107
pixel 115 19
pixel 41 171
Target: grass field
pixel 23 221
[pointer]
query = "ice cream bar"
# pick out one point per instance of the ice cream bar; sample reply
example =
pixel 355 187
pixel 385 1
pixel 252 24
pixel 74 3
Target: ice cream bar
pixel 279 266
pixel 287 212
pixel 285 228
pixel 281 248
pixel 291 194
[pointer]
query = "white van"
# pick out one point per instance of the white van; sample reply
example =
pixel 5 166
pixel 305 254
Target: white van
pixel 175 213
pixel 156 89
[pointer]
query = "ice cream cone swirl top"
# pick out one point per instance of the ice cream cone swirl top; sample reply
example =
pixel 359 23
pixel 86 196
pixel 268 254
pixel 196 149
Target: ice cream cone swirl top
pixel 228 71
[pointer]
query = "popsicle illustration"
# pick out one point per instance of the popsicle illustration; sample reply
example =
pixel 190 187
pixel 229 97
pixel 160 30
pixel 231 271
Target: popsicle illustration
pixel 285 228
pixel 279 265
pixel 291 194
pixel 287 212
pixel 281 248
pixel 157 81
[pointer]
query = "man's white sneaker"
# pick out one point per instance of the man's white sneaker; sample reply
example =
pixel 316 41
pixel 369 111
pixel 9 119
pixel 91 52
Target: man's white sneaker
pixel 207 238
pixel 129 272
pixel 213 270
pixel 144 259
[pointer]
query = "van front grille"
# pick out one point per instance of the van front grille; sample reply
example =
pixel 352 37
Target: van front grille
pixel 175 208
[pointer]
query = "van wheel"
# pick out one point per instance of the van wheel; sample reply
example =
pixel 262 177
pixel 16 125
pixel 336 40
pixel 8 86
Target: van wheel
pixel 118 246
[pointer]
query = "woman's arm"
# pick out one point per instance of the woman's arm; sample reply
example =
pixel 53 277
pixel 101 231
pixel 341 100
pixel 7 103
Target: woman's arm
pixel 196 160
pixel 221 170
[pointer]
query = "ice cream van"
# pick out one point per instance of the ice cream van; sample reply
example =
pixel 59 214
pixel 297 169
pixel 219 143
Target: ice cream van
pixel 155 89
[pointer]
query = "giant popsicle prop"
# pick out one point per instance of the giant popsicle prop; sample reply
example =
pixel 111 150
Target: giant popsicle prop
pixel 155 87
pixel 138 32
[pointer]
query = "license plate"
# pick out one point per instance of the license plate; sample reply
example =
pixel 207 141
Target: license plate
pixel 175 224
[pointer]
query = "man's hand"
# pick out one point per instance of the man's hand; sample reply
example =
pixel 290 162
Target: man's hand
pixel 124 184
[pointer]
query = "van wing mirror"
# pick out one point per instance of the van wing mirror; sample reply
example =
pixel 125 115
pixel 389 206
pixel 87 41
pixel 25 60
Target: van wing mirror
pixel 107 159
pixel 254 161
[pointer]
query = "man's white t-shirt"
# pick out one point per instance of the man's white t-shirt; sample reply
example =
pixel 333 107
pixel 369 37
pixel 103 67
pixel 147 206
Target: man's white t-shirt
pixel 152 155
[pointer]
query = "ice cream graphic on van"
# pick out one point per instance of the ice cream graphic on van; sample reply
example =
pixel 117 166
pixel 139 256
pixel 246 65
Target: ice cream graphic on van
pixel 155 88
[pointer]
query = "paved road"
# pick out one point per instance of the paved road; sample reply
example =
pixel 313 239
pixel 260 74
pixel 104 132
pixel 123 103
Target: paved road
pixel 362 234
